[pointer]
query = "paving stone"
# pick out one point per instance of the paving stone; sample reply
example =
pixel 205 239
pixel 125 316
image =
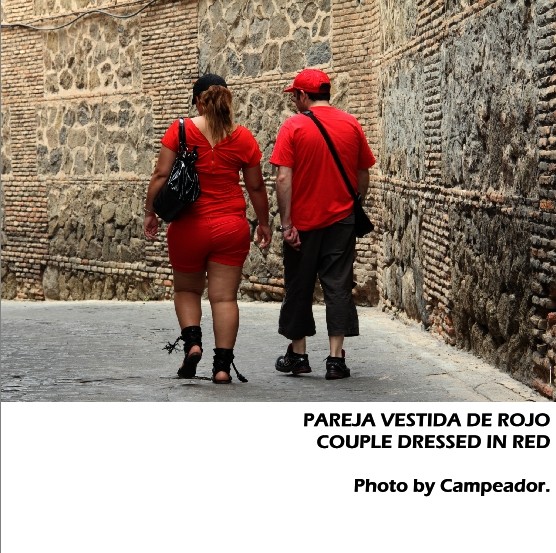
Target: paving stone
pixel 113 351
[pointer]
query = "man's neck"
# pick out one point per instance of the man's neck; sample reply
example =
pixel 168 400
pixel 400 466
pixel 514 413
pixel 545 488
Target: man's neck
pixel 319 103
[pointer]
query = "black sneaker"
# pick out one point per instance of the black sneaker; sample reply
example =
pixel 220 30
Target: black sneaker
pixel 296 363
pixel 336 368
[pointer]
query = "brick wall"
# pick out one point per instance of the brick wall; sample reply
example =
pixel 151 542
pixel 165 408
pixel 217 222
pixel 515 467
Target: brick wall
pixel 543 235
pixel 24 198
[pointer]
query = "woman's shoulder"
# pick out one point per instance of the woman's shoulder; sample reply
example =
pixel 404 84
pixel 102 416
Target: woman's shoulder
pixel 174 125
pixel 192 123
pixel 245 144
pixel 243 133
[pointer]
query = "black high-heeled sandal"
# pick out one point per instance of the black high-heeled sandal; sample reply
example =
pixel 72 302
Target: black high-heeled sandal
pixel 191 336
pixel 223 358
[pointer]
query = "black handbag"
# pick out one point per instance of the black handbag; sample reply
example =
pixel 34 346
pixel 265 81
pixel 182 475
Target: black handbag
pixel 363 224
pixel 182 187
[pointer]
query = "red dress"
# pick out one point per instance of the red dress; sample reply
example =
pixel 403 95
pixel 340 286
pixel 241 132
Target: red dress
pixel 214 228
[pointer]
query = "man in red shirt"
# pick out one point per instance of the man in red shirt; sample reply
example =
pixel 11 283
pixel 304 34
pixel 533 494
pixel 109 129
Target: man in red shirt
pixel 316 212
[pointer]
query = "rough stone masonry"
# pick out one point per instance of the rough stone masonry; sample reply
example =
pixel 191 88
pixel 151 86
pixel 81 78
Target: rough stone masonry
pixel 457 98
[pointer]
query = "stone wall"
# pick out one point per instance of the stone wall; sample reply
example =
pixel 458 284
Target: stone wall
pixel 89 102
pixel 457 98
pixel 467 163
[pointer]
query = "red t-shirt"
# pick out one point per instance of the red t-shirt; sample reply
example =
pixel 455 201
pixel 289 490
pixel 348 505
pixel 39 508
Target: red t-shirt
pixel 319 194
pixel 218 168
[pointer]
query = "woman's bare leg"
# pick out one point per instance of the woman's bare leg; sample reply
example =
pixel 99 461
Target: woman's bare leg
pixel 188 290
pixel 223 284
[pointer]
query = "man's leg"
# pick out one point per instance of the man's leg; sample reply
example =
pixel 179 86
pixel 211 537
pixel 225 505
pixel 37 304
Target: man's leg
pixel 336 345
pixel 300 273
pixel 299 346
pixel 296 314
pixel 336 278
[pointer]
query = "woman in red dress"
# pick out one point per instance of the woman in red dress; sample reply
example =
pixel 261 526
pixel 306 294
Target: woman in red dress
pixel 211 239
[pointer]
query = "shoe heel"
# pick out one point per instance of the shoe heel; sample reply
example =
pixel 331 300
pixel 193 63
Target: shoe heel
pixel 191 336
pixel 223 362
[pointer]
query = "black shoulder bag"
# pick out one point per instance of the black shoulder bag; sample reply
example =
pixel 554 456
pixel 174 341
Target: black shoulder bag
pixel 182 187
pixel 363 224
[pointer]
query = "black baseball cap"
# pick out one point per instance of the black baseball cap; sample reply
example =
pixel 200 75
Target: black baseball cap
pixel 203 83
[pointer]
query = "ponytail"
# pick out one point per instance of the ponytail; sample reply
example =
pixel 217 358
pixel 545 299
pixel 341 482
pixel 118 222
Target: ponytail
pixel 217 109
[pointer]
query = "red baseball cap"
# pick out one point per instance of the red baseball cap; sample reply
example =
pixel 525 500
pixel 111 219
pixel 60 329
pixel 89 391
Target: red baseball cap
pixel 310 80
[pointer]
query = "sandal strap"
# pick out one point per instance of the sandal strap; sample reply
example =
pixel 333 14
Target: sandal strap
pixel 191 336
pixel 240 377
pixel 223 358
pixel 169 347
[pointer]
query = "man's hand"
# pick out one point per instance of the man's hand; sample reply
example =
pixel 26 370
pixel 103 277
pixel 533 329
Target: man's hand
pixel 291 237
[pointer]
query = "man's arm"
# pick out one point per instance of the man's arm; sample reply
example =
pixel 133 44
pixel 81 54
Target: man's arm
pixel 284 194
pixel 362 182
pixel 284 197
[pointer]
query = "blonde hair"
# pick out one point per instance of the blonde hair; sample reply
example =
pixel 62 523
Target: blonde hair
pixel 217 109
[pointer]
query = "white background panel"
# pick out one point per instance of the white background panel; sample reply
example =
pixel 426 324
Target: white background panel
pixel 250 477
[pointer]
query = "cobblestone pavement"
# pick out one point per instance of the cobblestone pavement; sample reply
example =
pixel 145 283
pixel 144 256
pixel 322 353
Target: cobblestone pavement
pixel 113 351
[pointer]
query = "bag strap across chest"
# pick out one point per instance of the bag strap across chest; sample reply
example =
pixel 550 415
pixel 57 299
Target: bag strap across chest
pixel 334 153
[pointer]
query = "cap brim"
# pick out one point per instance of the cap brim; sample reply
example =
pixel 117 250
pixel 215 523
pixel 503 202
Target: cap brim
pixel 289 89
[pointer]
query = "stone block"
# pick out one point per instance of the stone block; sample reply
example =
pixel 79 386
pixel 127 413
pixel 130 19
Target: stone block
pixel 402 92
pixel 489 102
pixel 398 22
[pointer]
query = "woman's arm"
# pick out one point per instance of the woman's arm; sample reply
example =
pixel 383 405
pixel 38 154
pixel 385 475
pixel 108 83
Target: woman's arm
pixel 254 183
pixel 160 175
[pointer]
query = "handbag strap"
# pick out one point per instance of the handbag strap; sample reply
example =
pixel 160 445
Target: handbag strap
pixel 181 135
pixel 311 115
